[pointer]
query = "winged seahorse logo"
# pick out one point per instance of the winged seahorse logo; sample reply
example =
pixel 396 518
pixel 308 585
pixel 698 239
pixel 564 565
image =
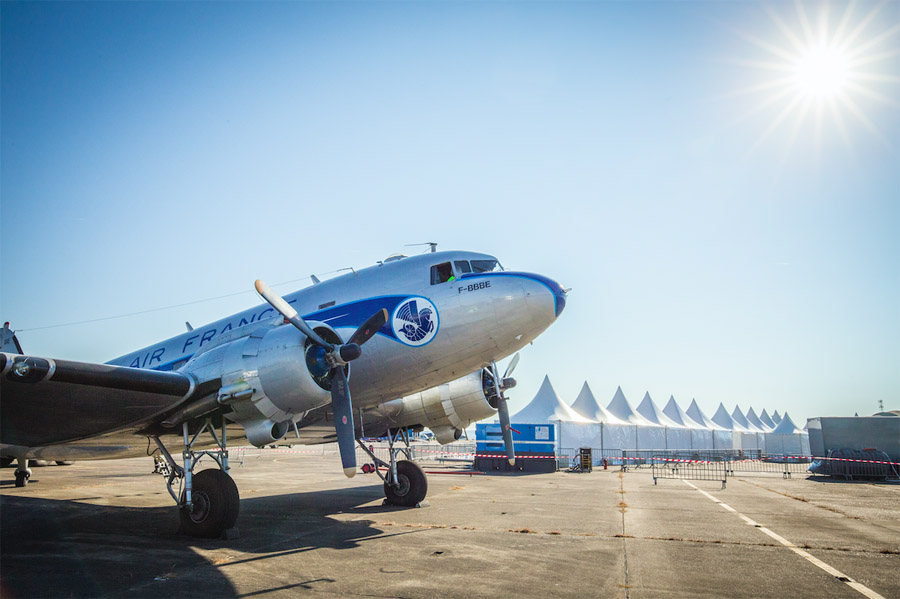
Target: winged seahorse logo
pixel 416 321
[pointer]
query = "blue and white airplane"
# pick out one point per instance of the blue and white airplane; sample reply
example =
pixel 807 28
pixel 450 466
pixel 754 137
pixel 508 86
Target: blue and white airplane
pixel 433 327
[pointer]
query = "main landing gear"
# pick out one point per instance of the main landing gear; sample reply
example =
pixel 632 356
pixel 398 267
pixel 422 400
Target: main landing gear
pixel 208 501
pixel 23 473
pixel 405 484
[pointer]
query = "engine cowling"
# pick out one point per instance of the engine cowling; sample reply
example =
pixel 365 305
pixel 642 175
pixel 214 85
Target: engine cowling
pixel 284 371
pixel 446 409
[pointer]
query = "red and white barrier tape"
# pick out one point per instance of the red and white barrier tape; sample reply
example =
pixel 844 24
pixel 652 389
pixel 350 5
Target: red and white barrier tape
pixel 609 458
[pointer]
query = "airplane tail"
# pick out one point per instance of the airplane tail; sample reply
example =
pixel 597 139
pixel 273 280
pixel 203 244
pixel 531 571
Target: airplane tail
pixel 8 341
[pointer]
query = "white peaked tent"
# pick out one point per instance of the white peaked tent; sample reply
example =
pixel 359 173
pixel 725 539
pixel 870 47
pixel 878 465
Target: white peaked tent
pixel 764 417
pixel 677 436
pixel 787 439
pixel 739 418
pixel 723 419
pixel 750 437
pixel 753 419
pixel 547 407
pixel 776 417
pixel 572 429
pixel 586 405
pixel 701 437
pixel 610 432
pixel 649 434
pixel 721 437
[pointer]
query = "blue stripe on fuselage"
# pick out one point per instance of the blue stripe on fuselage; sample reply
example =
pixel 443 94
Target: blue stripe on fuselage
pixel 351 314
pixel 559 294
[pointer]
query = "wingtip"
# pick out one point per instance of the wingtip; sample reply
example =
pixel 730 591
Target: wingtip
pixel 350 472
pixel 259 286
pixel 512 462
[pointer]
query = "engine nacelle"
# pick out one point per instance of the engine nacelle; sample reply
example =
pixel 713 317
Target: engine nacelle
pixel 446 409
pixel 285 371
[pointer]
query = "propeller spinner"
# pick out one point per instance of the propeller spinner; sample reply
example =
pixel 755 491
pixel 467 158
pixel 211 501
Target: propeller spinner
pixel 336 356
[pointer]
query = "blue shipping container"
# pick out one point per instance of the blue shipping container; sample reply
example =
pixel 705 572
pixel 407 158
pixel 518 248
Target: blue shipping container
pixel 527 438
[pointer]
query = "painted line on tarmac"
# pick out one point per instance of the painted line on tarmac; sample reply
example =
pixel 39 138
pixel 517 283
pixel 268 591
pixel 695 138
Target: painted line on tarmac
pixel 805 555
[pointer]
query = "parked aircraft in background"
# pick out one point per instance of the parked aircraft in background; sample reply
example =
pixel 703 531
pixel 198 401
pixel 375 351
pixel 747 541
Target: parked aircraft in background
pixel 433 327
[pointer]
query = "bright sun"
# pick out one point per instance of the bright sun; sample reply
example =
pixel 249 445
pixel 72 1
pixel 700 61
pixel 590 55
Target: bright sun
pixel 822 72
pixel 822 66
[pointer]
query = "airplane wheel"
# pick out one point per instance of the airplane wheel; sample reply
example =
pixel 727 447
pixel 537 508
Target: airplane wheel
pixel 215 505
pixel 22 478
pixel 412 485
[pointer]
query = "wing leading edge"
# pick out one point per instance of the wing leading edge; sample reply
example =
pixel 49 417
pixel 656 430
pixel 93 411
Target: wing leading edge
pixel 48 401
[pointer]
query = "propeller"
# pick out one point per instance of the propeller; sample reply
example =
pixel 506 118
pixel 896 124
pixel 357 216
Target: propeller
pixel 500 385
pixel 337 356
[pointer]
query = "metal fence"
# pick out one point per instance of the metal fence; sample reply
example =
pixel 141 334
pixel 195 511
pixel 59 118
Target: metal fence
pixel 768 466
pixel 453 453
pixel 664 467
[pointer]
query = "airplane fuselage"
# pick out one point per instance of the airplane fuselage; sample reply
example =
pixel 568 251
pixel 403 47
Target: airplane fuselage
pixel 463 323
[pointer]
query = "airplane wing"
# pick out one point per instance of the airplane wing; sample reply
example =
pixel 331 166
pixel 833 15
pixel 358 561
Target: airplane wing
pixel 47 401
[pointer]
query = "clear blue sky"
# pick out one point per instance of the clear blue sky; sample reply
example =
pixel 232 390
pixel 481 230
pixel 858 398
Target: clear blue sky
pixel 722 243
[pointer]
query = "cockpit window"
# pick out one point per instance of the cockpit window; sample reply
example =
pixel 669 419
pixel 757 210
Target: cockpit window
pixel 441 273
pixel 462 267
pixel 485 265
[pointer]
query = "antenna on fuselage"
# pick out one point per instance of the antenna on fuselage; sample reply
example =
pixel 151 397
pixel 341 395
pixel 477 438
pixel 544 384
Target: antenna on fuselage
pixel 431 244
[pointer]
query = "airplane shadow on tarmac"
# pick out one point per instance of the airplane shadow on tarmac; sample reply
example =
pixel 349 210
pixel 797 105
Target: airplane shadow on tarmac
pixel 56 548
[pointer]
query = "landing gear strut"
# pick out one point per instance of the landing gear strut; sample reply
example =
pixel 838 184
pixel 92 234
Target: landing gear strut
pixel 405 484
pixel 23 473
pixel 208 501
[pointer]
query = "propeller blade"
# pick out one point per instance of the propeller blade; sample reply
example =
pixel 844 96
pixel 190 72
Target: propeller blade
pixel 342 409
pixel 507 430
pixel 512 365
pixel 368 329
pixel 503 410
pixel 285 309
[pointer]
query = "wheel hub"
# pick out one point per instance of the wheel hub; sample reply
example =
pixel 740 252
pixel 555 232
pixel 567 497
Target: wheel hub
pixel 199 506
pixel 402 485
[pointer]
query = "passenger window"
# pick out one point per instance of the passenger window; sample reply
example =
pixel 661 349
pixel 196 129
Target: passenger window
pixel 462 267
pixel 441 273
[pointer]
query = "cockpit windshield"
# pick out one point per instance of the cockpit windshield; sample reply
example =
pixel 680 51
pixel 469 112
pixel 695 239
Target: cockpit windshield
pixel 485 265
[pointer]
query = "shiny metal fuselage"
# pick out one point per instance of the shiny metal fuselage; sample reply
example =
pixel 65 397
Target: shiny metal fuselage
pixel 480 317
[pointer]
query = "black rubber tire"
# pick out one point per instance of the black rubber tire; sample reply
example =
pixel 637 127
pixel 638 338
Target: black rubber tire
pixel 216 504
pixel 413 485
pixel 22 478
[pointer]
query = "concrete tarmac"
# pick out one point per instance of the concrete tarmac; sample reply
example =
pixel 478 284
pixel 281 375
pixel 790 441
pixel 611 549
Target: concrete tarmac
pixel 109 529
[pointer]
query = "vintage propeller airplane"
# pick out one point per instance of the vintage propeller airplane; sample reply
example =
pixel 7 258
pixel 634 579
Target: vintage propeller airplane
pixel 433 327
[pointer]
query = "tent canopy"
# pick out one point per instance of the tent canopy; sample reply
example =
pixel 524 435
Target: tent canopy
pixel 651 412
pixel 586 405
pixel 696 414
pixel 547 407
pixel 675 413
pixel 723 419
pixel 620 408
pixel 764 417
pixel 787 427
pixel 753 419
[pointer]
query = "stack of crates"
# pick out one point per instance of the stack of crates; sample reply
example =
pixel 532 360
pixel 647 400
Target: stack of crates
pixel 535 446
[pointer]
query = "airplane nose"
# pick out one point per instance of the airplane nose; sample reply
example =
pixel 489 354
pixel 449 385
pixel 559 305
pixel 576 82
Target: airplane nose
pixel 545 287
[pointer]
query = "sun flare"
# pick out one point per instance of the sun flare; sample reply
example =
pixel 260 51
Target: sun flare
pixel 820 74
